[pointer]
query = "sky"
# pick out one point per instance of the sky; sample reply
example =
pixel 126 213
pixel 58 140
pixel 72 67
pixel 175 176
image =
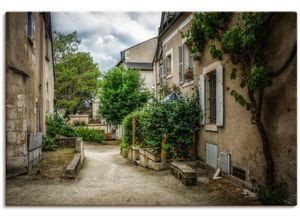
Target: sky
pixel 106 34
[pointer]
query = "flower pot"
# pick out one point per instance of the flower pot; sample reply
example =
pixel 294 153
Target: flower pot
pixel 188 74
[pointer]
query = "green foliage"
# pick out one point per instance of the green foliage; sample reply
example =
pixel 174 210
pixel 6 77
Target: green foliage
pixel 56 126
pixel 170 151
pixel 64 45
pixel 176 120
pixel 205 26
pixel 241 100
pixel 90 134
pixel 272 195
pixel 49 144
pixel 79 123
pixel 76 74
pixel 259 78
pixel 121 93
pixel 215 53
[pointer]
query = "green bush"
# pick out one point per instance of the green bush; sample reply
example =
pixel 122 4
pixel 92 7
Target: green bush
pixel 272 195
pixel 49 144
pixel 79 123
pixel 90 134
pixel 56 126
pixel 176 120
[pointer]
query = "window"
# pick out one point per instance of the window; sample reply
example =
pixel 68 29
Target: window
pixel 186 65
pixel 169 64
pixel 30 27
pixel 161 70
pixel 181 64
pixel 47 48
pixel 210 99
pixel 211 96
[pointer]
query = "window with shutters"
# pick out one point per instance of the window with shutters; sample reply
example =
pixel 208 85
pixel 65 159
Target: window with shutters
pixel 169 64
pixel 211 96
pixel 189 65
pixel 161 70
pixel 181 64
pixel 210 88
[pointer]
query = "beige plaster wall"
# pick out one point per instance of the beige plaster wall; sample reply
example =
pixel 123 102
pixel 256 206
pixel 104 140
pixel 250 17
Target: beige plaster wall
pixel 143 52
pixel 238 136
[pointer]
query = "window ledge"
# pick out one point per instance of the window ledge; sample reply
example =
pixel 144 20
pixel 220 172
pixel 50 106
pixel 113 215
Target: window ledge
pixel 169 76
pixel 211 127
pixel 189 83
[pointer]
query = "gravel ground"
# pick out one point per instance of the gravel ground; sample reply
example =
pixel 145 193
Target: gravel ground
pixel 107 179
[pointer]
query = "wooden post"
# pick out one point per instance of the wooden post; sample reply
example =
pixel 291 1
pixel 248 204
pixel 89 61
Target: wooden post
pixel 163 152
pixel 133 131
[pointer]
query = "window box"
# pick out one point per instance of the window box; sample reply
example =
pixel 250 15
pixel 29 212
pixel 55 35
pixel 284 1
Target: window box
pixel 188 74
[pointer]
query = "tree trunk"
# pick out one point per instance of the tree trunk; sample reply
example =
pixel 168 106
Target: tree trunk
pixel 267 153
pixel 263 135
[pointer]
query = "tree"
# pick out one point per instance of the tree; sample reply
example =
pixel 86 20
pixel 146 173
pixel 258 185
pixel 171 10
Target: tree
pixel 244 43
pixel 76 75
pixel 121 93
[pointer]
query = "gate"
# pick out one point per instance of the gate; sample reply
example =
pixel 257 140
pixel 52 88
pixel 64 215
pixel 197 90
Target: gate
pixel 34 148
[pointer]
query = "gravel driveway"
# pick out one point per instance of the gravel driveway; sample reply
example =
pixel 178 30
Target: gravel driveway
pixel 108 179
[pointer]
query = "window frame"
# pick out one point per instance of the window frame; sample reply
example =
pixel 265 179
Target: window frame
pixel 169 54
pixel 29 30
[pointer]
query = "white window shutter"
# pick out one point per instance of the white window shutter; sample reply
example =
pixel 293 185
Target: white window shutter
pixel 202 97
pixel 220 96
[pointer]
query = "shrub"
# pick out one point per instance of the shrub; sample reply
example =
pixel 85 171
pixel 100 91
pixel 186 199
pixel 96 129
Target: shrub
pixel 176 120
pixel 272 195
pixel 49 144
pixel 90 134
pixel 56 126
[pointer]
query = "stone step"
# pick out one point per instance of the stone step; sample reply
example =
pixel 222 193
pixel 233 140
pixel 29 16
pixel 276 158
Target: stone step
pixel 186 174
pixel 74 166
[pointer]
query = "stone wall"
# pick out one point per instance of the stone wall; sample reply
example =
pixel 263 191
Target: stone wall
pixel 29 83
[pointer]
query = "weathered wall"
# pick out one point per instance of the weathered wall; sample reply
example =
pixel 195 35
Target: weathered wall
pixel 172 45
pixel 148 77
pixel 238 136
pixel 82 118
pixel 143 52
pixel 26 76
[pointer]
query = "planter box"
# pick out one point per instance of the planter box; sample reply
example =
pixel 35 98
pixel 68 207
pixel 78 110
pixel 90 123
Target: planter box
pixel 157 166
pixel 135 153
pixel 143 158
pixel 188 74
pixel 130 154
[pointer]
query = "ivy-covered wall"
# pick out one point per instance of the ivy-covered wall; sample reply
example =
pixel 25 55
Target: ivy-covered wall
pixel 238 136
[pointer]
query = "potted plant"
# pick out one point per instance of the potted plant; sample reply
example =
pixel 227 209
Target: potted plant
pixel 188 73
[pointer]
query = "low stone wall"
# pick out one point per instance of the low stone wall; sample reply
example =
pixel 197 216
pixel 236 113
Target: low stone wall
pixel 76 142
pixel 145 158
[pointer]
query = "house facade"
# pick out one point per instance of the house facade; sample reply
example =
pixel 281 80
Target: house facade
pixel 140 57
pixel 227 138
pixel 29 87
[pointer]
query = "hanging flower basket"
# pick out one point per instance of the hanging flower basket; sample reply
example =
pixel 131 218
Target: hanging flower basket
pixel 188 73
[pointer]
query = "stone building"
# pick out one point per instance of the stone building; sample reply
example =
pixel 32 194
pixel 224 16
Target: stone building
pixel 227 138
pixel 140 57
pixel 29 87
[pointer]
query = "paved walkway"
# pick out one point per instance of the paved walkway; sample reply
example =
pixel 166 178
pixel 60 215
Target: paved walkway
pixel 108 179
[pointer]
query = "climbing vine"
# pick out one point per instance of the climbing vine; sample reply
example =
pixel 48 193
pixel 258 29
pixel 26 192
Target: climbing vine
pixel 242 40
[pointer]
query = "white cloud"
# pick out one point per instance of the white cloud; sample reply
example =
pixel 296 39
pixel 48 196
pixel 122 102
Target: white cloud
pixel 105 34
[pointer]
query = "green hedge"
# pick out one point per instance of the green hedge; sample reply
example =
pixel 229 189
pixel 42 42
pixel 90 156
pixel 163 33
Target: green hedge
pixel 56 126
pixel 176 120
